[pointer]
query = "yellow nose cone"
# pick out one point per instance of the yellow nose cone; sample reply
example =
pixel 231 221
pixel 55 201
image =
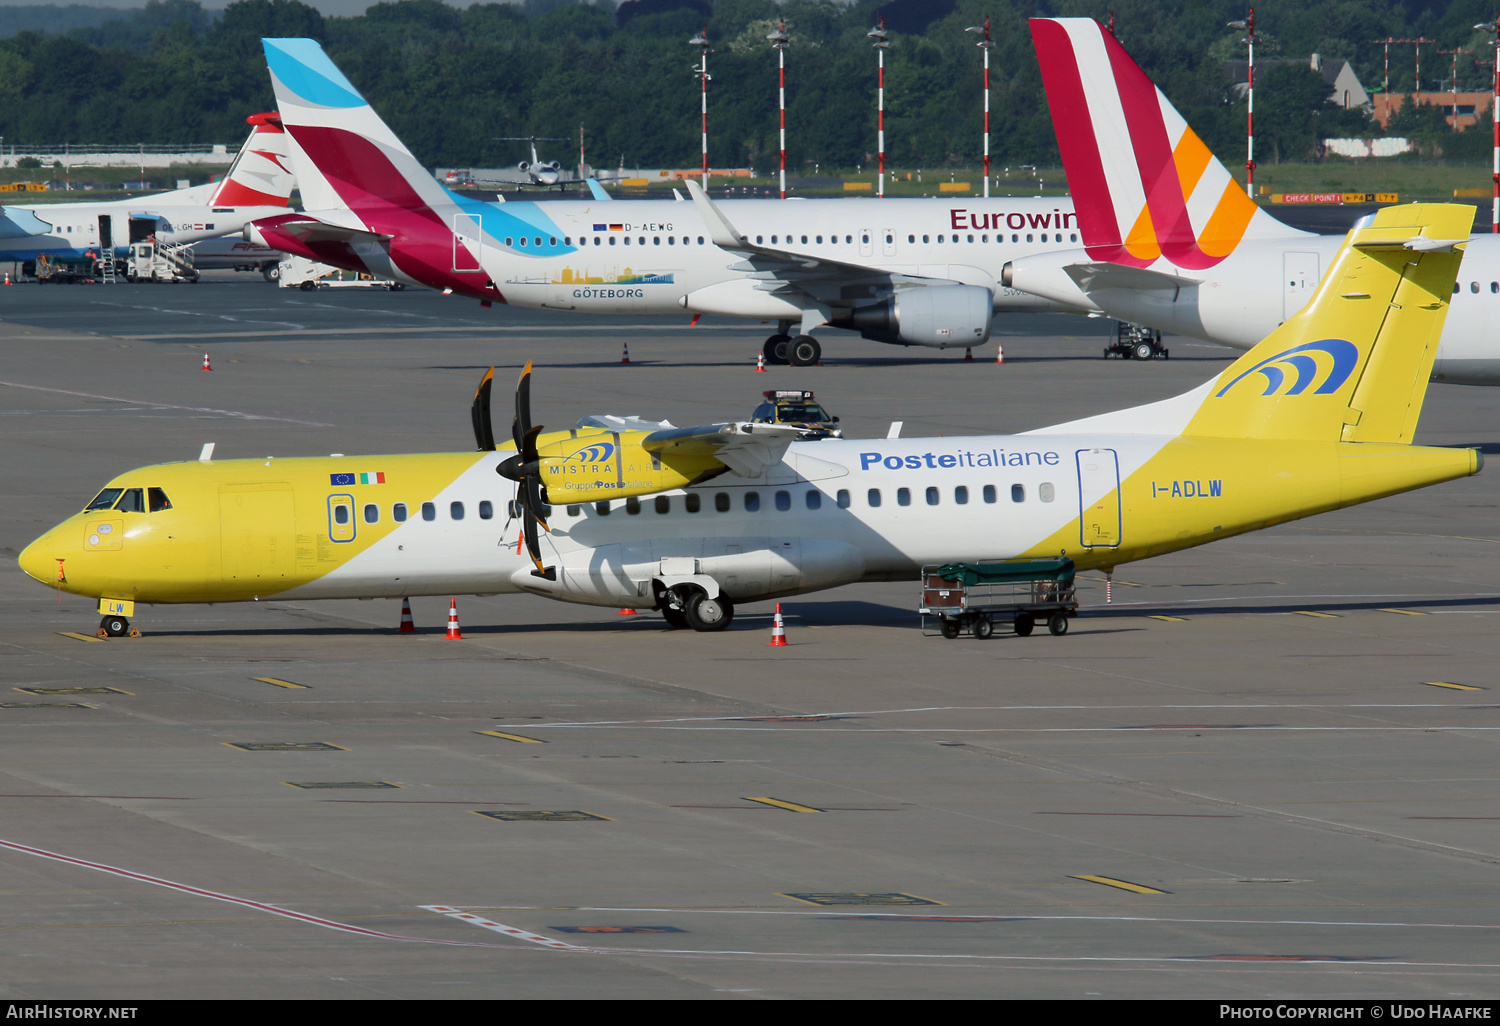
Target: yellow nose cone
pixel 37 561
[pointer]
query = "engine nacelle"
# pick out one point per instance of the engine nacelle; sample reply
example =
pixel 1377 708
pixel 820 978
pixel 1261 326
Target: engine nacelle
pixel 523 165
pixel 939 316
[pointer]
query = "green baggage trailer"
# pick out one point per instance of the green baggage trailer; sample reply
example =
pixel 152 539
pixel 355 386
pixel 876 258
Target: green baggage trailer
pixel 975 598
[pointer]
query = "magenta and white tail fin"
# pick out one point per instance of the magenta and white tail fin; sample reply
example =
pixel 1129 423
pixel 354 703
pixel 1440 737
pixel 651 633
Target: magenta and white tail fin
pixel 346 157
pixel 1143 183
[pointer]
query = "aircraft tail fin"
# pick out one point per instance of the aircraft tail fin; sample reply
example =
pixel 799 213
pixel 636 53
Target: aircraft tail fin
pixel 261 175
pixel 1353 364
pixel 345 155
pixel 1144 185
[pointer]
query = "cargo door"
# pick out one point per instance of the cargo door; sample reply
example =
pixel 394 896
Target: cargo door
pixel 466 235
pixel 1098 498
pixel 256 522
pixel 106 233
pixel 1299 280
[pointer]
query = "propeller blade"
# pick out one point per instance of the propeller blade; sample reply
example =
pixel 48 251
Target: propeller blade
pixel 479 413
pixel 533 543
pixel 522 424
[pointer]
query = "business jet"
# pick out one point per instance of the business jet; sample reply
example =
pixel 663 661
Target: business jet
pixel 259 183
pixel 693 520
pixel 1172 242
pixel 920 272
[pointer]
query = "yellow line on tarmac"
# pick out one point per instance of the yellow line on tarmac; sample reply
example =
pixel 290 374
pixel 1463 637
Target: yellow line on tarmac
pixel 1450 684
pixel 1169 619
pixel 1124 885
pixel 282 683
pixel 78 637
pixel 1406 612
pixel 1309 612
pixel 789 806
pixel 511 737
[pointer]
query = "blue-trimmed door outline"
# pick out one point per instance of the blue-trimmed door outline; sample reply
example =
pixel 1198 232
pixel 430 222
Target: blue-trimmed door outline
pixel 338 532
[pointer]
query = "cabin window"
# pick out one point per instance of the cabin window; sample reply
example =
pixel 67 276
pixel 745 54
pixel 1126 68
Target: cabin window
pixel 925 240
pixel 671 240
pixel 104 500
pixel 633 505
pixel 971 238
pixel 693 502
pixel 814 499
pixel 864 240
pixel 1457 288
pixel 158 500
pixel 911 239
pixel 1046 492
pixel 721 502
pixel 984 238
pixel 1494 287
pixel 573 511
pixel 760 240
pixel 596 240
pixel 133 501
pixel 601 508
pixel 700 240
pixel 538 240
pixel 843 498
pixel 1028 236
pixel 1073 237
pixel 627 240
pixel 523 242
pixel 873 497
pixel 656 240
pixel 903 496
pixel 1015 238
pixel 783 501
pixel 398 512
pixel 989 493
pixel 340 513
pixel 804 240
pixel 932 496
pixel 773 240
pixel 663 504
pixel 372 513
pixel 1017 493
pixel 611 240
pixel 961 495
pixel 940 239
pixel 551 242
pixel 567 240
pixel 1474 287
pixel 486 510
pixel 819 239
pixel 456 510
pixel 429 511
pixel 752 501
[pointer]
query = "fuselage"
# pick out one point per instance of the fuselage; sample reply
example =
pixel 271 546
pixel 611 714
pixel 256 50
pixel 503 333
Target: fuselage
pixel 657 257
pixel 832 512
pixel 76 229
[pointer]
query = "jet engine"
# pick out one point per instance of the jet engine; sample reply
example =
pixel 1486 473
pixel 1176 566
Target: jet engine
pixel 939 316
pixel 523 166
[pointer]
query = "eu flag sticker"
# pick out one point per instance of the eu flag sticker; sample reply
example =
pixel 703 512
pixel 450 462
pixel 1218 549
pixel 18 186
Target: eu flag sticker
pixel 341 479
pixel 601 227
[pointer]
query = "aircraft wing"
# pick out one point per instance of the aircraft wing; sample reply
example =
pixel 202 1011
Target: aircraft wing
pixel 747 449
pixel 778 269
pixel 612 423
pixel 18 222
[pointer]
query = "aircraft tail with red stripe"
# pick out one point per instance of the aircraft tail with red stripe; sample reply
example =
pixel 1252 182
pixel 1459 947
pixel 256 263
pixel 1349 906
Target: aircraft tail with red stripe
pixel 1145 187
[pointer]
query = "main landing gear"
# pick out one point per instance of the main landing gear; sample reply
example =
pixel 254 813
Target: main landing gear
pixel 116 627
pixel 1136 341
pixel 801 351
pixel 689 606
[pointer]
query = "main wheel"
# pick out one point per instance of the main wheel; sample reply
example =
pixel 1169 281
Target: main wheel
pixel 271 272
pixel 675 618
pixel 115 626
pixel 1058 624
pixel 1143 351
pixel 307 286
pixel 776 347
pixel 983 628
pixel 804 351
pixel 950 628
pixel 709 614
pixel 1023 626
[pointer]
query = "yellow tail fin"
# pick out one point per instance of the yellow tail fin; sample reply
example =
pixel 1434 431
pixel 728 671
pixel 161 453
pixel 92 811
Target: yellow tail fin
pixel 1353 364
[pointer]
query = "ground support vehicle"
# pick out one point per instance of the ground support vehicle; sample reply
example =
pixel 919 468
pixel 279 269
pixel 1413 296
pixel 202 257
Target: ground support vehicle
pixel 154 261
pixel 977 597
pixel 796 407
pixel 66 269
pixel 295 272
pixel 1135 341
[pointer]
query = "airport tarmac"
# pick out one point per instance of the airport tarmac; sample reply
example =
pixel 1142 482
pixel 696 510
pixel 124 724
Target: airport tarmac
pixel 1267 769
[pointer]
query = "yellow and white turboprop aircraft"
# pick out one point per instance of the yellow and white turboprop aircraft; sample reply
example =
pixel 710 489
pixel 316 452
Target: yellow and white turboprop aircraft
pixel 1319 416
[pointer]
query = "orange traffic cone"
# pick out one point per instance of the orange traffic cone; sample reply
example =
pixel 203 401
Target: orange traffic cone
pixel 999 353
pixel 760 363
pixel 628 612
pixel 7 278
pixel 968 355
pixel 453 632
pixel 778 630
pixel 407 626
pixel 205 361
pixel 624 352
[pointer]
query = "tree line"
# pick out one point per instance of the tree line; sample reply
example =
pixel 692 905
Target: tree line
pixel 451 82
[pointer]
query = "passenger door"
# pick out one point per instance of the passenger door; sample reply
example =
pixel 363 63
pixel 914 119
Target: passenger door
pixel 866 242
pixel 1098 498
pixel 466 241
pixel 888 241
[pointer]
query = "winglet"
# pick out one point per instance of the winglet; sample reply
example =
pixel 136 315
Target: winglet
pixel 723 234
pixel 597 191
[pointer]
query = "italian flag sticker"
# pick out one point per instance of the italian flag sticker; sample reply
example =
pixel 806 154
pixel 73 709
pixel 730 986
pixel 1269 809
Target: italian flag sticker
pixel 376 478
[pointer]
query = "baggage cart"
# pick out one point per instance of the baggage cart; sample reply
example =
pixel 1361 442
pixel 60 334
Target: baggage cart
pixel 975 598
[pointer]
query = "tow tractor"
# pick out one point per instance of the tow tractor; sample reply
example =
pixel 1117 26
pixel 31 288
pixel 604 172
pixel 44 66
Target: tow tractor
pixel 796 407
pixel 975 597
pixel 1136 341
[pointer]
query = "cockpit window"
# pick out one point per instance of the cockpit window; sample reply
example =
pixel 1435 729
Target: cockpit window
pixel 158 500
pixel 133 501
pixel 104 500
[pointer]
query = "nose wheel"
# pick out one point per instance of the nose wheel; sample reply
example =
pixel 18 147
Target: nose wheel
pixel 116 627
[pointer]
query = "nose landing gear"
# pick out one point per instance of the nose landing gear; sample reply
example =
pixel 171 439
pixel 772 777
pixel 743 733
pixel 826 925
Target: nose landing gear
pixel 116 627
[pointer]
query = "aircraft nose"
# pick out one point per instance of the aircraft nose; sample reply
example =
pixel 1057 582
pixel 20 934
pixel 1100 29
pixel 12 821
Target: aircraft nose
pixel 37 562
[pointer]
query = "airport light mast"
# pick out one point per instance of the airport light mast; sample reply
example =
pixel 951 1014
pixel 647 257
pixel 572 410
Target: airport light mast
pixel 1493 28
pixel 701 42
pixel 1249 26
pixel 985 44
pixel 1453 82
pixel 877 37
pixel 779 43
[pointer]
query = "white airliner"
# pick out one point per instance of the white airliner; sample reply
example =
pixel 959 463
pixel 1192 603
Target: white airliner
pixel 919 272
pixel 258 184
pixel 1172 241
